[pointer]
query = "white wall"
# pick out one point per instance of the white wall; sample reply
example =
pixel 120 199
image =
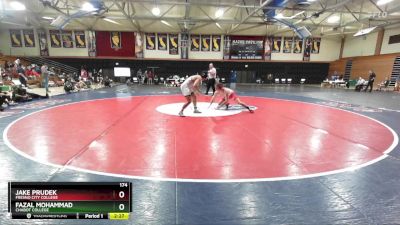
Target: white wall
pixel 392 48
pixel 329 49
pixel 360 46
pixel 6 49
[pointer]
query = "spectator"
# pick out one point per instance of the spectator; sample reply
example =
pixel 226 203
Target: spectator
pixel 139 75
pixel 149 77
pixel 371 80
pixel 45 78
pixel 397 85
pixel 21 75
pixel 360 83
pixel 384 84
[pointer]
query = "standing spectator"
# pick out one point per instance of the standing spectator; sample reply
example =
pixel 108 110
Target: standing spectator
pixel 211 75
pixel 145 77
pixel 45 78
pixel 84 73
pixel 150 77
pixel 371 80
pixel 139 75
pixel 21 75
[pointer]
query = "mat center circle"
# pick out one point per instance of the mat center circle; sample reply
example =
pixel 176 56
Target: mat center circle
pixel 205 108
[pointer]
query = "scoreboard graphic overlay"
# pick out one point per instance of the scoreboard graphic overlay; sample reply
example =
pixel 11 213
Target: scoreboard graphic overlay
pixel 70 200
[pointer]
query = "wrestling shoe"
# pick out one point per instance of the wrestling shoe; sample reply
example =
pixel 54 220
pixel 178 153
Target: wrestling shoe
pixel 196 111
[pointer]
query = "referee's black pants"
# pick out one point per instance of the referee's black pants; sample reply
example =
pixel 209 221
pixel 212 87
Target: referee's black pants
pixel 210 83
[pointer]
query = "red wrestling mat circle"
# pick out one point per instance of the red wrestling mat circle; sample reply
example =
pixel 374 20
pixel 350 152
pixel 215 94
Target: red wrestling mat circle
pixel 128 137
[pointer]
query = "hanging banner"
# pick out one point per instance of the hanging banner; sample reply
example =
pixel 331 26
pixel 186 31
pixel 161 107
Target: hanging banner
pixel 227 47
pixel 268 48
pixel 298 45
pixel 307 49
pixel 92 43
pixel 150 41
pixel 247 47
pixel 216 43
pixel 43 45
pixel 29 38
pixel 55 38
pixel 115 40
pixel 184 45
pixel 194 43
pixel 16 40
pixel 277 44
pixel 316 45
pixel 287 44
pixel 173 44
pixel 139 45
pixel 162 42
pixel 80 39
pixel 67 40
pixel 205 43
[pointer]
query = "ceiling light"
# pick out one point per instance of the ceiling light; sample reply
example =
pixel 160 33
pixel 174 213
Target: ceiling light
pixel 364 31
pixel 87 6
pixel 111 21
pixel 219 26
pixel 382 2
pixel 166 23
pixel 219 13
pixel 279 16
pixel 333 19
pixel 156 11
pixel 17 6
pixel 47 18
pixel 311 0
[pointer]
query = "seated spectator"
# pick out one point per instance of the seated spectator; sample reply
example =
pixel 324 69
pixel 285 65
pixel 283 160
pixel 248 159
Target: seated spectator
pixel 20 94
pixel 397 85
pixel 360 84
pixel 384 84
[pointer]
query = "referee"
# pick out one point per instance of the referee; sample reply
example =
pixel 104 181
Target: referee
pixel 211 75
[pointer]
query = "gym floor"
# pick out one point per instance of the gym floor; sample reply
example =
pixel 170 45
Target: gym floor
pixel 306 156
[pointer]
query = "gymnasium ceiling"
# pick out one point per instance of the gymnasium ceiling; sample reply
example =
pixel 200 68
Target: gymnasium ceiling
pixel 199 16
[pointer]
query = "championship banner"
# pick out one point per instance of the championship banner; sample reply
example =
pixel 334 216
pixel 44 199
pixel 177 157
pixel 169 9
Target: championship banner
pixel 150 41
pixel 139 45
pixel 205 43
pixel 287 44
pixel 276 47
pixel 115 40
pixel 173 44
pixel 15 36
pixel 227 47
pixel 162 42
pixel 29 38
pixel 298 45
pixel 92 43
pixel 268 48
pixel 216 43
pixel 43 45
pixel 55 38
pixel 80 39
pixel 194 43
pixel 316 45
pixel 247 47
pixel 67 40
pixel 307 49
